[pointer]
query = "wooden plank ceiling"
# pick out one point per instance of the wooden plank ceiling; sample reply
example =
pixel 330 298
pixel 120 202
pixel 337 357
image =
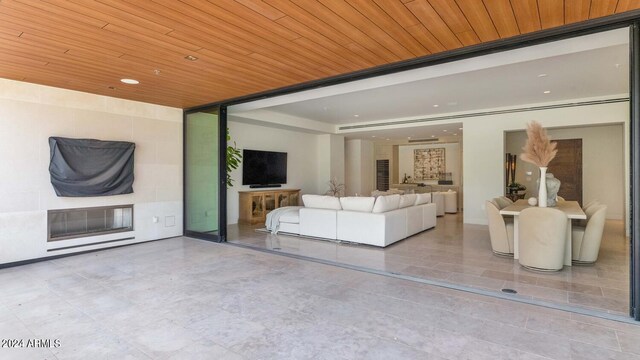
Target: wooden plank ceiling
pixel 248 46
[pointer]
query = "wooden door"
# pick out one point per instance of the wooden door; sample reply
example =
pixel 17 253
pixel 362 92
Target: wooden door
pixel 567 167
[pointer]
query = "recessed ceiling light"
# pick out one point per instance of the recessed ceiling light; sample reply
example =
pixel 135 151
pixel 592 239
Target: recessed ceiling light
pixel 156 71
pixel 455 134
pixel 373 136
pixel 542 75
pixel 130 81
pixel 459 128
pixel 436 105
pixel 191 58
pixel 409 137
pixel 547 91
pixel 387 139
pixel 356 115
pixel 433 136
pixel 445 130
pixel 617 65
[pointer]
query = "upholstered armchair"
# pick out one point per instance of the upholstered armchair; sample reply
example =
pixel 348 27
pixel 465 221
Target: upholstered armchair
pixel 588 210
pixel 502 202
pixel 586 240
pixel 541 238
pixel 500 231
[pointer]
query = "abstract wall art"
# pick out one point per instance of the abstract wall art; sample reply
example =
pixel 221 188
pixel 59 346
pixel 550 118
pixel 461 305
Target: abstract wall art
pixel 428 164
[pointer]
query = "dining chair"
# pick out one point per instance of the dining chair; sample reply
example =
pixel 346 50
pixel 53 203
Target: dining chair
pixel 502 202
pixel 586 240
pixel 542 235
pixel 500 231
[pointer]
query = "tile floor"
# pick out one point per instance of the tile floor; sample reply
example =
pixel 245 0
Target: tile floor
pixel 461 254
pixel 190 299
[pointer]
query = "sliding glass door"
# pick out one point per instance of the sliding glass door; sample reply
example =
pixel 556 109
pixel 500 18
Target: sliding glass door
pixel 203 194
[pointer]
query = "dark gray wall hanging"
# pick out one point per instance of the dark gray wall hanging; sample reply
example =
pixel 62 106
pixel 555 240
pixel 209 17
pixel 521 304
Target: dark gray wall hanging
pixel 87 167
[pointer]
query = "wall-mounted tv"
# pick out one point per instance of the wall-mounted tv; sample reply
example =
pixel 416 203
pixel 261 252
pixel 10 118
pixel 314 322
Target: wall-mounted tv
pixel 264 167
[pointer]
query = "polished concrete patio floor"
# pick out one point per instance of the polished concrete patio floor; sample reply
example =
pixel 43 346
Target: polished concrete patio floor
pixel 461 254
pixel 189 299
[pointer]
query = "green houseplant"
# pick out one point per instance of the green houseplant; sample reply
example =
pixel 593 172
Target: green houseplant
pixel 234 157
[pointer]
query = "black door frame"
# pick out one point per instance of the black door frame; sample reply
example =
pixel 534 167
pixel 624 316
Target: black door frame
pixel 634 146
pixel 222 180
pixel 629 19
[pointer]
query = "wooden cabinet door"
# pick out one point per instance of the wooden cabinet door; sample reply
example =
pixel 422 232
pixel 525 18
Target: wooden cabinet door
pixel 567 167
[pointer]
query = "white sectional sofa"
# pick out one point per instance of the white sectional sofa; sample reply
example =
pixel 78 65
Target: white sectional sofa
pixel 374 221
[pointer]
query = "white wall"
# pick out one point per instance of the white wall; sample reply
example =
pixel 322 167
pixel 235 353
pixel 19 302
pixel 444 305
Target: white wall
pixel 303 159
pixel 602 164
pixel 484 138
pixel 30 114
pixel 359 167
pixel 331 164
pixel 452 160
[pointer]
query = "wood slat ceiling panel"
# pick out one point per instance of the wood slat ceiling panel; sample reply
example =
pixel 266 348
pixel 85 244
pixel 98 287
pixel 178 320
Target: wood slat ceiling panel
pixel 503 17
pixel 249 46
pixel 576 10
pixel 551 13
pixel 449 11
pixel 527 16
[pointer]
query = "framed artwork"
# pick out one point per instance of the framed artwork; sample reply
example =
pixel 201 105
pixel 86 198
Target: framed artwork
pixel 428 164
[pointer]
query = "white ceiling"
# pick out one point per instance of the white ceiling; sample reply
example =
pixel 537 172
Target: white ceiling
pixel 593 66
pixel 593 73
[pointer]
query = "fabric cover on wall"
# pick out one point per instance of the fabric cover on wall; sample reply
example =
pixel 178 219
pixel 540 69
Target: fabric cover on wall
pixel 87 167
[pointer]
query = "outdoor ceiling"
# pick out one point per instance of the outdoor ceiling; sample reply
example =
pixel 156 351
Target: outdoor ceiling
pixel 249 46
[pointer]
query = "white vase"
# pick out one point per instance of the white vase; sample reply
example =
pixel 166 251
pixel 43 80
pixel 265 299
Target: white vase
pixel 542 189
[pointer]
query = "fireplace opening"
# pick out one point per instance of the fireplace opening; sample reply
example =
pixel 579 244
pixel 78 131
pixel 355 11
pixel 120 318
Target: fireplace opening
pixel 66 224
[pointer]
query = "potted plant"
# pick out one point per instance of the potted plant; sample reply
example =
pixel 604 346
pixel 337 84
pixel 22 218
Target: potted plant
pixel 514 187
pixel 234 157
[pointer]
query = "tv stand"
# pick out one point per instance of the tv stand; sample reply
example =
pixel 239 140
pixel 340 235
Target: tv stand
pixel 265 186
pixel 254 205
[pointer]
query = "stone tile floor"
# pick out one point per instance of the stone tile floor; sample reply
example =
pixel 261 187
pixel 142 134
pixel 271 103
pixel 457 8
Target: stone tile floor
pixel 190 299
pixel 461 254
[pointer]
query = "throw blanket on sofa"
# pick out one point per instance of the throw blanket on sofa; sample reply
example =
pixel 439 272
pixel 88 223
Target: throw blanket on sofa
pixel 273 218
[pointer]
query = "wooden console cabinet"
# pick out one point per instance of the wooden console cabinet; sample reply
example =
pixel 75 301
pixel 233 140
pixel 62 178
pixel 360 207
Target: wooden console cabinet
pixel 254 205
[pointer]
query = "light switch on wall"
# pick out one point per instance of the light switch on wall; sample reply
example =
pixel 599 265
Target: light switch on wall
pixel 155 219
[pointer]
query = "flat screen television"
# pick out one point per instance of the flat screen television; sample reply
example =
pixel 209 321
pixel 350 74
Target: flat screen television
pixel 264 167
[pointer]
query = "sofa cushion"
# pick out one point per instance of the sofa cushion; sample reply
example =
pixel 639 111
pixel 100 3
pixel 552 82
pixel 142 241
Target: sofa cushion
pixel 357 203
pixel 386 203
pixel 423 199
pixel 407 200
pixel 292 217
pixel 321 202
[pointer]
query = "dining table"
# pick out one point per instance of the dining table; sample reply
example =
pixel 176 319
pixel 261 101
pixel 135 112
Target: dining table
pixel 571 208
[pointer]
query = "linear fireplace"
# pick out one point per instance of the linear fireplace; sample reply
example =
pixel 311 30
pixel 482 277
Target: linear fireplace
pixel 66 224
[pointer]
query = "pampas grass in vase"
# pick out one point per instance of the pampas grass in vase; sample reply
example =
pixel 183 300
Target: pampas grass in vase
pixel 539 150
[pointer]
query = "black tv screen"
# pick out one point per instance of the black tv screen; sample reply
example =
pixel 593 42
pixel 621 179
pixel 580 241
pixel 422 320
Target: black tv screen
pixel 263 167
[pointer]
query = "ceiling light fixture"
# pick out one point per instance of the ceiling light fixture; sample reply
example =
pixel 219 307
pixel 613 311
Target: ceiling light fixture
pixel 130 81
pixel 191 58
pixel 433 136
pixel 356 115
pixel 387 139
pixel 455 134
pixel 547 91
pixel 445 130
pixel 436 105
pixel 542 75
pixel 373 136
pixel 156 71
pixel 459 128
